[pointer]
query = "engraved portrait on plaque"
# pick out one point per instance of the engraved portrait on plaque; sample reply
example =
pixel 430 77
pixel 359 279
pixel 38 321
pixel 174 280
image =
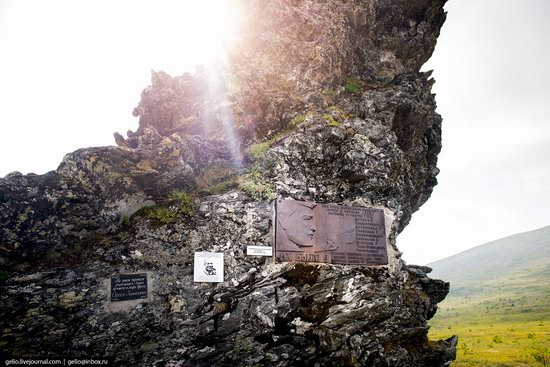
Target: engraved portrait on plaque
pixel 330 233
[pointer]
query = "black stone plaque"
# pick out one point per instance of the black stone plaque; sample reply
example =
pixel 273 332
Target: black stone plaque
pixel 330 233
pixel 125 287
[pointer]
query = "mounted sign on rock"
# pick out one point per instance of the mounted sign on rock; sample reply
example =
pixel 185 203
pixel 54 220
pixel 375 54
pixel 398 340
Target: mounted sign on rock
pixel 125 287
pixel 330 233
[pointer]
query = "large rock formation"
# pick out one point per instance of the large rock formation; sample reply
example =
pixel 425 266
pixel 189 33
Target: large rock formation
pixel 318 100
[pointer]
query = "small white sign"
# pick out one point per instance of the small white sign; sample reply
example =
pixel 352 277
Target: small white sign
pixel 208 267
pixel 259 250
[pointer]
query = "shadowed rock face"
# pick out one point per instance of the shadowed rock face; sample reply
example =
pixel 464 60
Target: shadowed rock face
pixel 320 101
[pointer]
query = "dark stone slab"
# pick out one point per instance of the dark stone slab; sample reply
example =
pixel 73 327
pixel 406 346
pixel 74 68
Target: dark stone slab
pixel 125 287
pixel 330 233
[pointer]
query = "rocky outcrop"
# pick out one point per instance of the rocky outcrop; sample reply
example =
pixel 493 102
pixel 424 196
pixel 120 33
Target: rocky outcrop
pixel 319 101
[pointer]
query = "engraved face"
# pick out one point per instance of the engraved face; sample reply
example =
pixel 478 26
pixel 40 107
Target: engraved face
pixel 297 222
pixel 307 222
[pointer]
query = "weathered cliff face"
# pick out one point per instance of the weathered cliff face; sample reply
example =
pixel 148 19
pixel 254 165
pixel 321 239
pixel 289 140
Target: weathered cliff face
pixel 319 101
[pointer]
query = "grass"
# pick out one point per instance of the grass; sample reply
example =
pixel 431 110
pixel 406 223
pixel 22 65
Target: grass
pixel 220 187
pixel 158 213
pixel 507 325
pixel 297 120
pixel 499 303
pixel 255 185
pixel 177 204
pixel 258 151
pixel 183 202
pixel 257 190
pixel 354 87
pixel 216 178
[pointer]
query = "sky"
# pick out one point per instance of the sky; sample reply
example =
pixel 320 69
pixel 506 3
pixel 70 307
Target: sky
pixel 71 73
pixel 492 71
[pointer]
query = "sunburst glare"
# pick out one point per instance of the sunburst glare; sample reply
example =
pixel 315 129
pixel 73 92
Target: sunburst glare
pixel 207 28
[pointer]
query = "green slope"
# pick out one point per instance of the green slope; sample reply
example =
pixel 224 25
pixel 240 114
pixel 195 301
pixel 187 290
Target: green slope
pixel 499 303
pixel 526 255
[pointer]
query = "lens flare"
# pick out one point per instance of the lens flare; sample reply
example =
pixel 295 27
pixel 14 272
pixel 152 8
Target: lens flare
pixel 194 31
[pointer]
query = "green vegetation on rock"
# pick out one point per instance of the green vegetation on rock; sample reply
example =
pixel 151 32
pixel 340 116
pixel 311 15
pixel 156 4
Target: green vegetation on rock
pixel 331 121
pixel 255 185
pixel 220 187
pixel 160 213
pixel 177 204
pixel 329 92
pixel 258 150
pixel 126 220
pixel 354 86
pixel 297 120
pixel 185 203
pixel 257 189
pixel 340 113
pixel 216 178
pixel 4 275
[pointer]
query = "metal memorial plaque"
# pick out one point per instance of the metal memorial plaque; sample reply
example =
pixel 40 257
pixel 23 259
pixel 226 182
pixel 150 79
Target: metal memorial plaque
pixel 125 287
pixel 330 233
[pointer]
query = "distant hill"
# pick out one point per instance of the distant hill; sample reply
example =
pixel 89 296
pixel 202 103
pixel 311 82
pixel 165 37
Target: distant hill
pixel 519 259
pixel 499 303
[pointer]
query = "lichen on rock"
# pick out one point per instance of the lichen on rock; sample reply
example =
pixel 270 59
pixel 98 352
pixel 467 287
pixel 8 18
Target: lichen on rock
pixel 319 101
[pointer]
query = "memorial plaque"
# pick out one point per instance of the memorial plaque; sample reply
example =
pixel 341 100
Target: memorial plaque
pixel 330 233
pixel 125 287
pixel 208 267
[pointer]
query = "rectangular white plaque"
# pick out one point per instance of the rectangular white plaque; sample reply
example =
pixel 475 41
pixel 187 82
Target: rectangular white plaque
pixel 259 250
pixel 208 267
